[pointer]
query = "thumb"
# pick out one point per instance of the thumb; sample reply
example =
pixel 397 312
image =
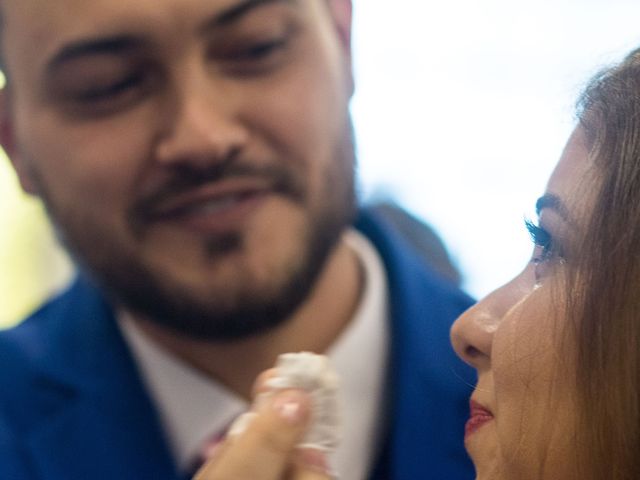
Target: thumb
pixel 265 450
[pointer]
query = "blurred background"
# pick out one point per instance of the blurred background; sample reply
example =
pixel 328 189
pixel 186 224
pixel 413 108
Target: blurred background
pixel 461 111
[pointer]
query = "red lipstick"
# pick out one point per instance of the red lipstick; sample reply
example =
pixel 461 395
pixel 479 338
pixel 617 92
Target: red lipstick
pixel 479 415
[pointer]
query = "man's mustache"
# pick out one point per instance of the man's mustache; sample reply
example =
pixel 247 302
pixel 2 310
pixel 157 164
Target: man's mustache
pixel 279 179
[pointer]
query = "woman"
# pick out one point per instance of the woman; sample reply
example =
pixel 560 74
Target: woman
pixel 557 349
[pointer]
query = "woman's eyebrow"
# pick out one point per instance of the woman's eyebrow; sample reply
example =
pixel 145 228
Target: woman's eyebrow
pixel 554 203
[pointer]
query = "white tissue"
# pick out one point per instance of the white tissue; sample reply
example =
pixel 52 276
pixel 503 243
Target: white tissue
pixel 312 373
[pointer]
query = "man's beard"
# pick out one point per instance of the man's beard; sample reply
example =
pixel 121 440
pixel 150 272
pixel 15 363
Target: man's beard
pixel 249 309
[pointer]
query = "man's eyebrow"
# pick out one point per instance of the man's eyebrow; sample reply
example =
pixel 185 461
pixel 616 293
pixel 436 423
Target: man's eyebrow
pixel 88 47
pixel 236 12
pixel 554 203
pixel 123 43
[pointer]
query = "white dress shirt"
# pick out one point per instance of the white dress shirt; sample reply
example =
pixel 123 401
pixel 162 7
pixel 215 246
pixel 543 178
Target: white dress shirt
pixel 194 407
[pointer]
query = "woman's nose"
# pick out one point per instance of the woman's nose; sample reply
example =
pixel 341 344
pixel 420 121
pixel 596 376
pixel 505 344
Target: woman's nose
pixel 472 333
pixel 472 336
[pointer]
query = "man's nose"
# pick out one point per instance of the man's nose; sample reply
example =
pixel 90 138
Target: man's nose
pixel 202 128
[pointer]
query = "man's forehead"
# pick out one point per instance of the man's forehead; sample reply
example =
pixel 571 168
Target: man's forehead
pixel 52 10
pixel 95 16
pixel 49 9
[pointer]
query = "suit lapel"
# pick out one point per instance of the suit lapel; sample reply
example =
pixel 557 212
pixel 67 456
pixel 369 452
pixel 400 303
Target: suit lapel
pixel 429 386
pixel 98 422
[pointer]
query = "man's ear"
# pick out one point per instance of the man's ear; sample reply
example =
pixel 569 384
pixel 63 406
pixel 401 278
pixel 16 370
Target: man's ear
pixel 342 13
pixel 8 143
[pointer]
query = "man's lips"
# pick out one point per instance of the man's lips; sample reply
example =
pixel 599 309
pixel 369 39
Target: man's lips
pixel 215 206
pixel 479 415
pixel 206 204
pixel 209 194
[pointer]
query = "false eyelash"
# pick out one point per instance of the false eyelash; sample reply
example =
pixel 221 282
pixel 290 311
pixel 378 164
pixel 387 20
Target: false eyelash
pixel 539 235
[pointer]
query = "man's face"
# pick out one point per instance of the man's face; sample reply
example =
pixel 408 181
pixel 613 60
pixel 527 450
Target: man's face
pixel 195 155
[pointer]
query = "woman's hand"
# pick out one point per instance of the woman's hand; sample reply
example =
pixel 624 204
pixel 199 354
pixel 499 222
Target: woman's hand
pixel 267 449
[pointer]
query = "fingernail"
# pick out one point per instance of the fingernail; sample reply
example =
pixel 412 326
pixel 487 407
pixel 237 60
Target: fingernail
pixel 290 406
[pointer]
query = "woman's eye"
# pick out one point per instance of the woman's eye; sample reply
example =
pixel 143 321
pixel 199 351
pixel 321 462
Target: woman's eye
pixel 542 240
pixel 545 252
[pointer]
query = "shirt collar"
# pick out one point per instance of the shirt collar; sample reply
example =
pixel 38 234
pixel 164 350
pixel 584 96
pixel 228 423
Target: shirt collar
pixel 192 407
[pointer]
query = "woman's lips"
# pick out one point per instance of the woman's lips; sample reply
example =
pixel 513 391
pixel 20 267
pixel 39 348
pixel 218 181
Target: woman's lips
pixel 479 415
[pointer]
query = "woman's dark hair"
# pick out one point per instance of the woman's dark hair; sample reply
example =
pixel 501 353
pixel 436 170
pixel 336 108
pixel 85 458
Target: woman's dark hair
pixel 605 280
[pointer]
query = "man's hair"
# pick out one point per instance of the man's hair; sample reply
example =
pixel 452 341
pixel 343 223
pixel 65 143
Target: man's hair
pixel 2 69
pixel 604 281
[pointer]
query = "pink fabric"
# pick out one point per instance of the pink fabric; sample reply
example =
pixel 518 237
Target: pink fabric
pixel 208 450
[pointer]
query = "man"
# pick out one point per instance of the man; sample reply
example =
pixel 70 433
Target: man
pixel 196 157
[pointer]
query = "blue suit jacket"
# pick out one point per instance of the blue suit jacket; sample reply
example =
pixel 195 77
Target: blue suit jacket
pixel 72 406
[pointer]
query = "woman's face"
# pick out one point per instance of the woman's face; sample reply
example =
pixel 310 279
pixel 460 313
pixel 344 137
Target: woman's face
pixel 522 410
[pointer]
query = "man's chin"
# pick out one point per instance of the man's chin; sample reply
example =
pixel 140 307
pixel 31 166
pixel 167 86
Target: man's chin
pixel 232 318
pixel 222 301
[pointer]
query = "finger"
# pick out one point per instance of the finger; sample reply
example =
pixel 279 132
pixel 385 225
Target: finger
pixel 266 449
